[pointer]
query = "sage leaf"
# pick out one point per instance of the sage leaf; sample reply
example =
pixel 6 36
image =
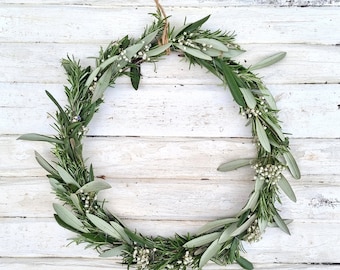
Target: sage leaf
pixel 215 224
pixel 104 226
pixel 67 178
pixel 202 240
pixel 193 52
pixel 244 263
pixel 158 50
pixel 113 252
pixel 101 86
pixel 43 163
pixel 69 218
pixel 235 164
pixel 210 252
pixel 286 188
pixel 248 97
pixel 262 135
pixel 216 44
pixel 268 61
pixel 292 166
pixel 121 231
pixel 135 76
pixel 280 223
pixel 94 186
pixel 39 138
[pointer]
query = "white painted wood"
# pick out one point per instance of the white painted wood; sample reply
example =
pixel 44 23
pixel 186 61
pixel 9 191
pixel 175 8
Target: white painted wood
pixel 26 64
pixel 83 24
pixel 174 110
pixel 156 145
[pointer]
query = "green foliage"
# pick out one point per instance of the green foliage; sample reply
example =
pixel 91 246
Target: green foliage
pixel 74 182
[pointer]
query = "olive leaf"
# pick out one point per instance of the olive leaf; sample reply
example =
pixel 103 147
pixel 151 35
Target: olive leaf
pixel 113 252
pixel 249 97
pixel 57 186
pixel 286 188
pixel 135 76
pixel 101 86
pixel 202 240
pixel 215 44
pixel 268 61
pixel 280 223
pixel 67 178
pixel 104 226
pixel 268 98
pixel 210 252
pixel 235 164
pixel 158 50
pixel 43 163
pixel 244 263
pixel 193 52
pixel 75 200
pixel 94 186
pixel 292 166
pixel 121 232
pixel 262 135
pixel 38 137
pixel 69 218
pixel 190 27
pixel 215 224
pixel 91 77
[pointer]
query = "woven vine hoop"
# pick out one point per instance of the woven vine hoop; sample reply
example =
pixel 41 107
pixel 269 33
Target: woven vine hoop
pixel 74 182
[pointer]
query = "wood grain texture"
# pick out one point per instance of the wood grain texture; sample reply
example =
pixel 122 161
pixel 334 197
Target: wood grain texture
pixel 159 147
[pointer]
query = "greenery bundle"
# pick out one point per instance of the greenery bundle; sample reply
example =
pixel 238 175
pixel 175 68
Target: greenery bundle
pixel 74 181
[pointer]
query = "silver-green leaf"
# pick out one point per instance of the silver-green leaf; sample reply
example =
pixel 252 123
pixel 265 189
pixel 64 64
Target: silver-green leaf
pixel 38 137
pixel 215 224
pixel 121 231
pixel 101 86
pixel 194 52
pixel 292 166
pixel 235 164
pixel 158 50
pixel 113 252
pixel 67 178
pixel 43 163
pixel 210 252
pixel 75 200
pixel 268 61
pixel 202 240
pixel 104 226
pixel 286 188
pixel 94 186
pixel 248 97
pixel 280 223
pixel 213 43
pixel 262 136
pixel 69 218
pixel 90 78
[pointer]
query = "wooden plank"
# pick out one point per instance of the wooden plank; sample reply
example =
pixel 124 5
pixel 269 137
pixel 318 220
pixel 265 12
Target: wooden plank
pixel 174 110
pixel 168 158
pixel 176 199
pixel 40 63
pixel 309 242
pixel 253 24
pixel 94 264
pixel 90 264
pixel 183 3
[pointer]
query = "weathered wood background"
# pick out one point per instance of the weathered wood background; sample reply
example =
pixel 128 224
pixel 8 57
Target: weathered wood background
pixel 160 146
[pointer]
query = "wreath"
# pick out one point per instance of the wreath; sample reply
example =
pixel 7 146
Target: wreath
pixel 74 181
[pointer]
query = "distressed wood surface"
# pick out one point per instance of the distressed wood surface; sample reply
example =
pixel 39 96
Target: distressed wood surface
pixel 159 147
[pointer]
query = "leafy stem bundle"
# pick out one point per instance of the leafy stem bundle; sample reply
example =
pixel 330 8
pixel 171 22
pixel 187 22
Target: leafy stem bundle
pixel 75 184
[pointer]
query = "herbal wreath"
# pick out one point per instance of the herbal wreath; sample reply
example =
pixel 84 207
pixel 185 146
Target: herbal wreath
pixel 75 184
